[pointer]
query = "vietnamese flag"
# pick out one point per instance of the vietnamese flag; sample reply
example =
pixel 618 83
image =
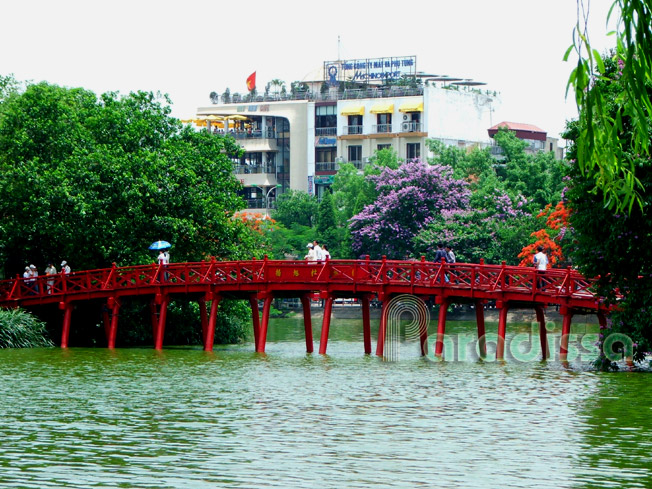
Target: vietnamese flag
pixel 251 82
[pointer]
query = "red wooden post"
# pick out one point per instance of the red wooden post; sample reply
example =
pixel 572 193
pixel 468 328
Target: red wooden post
pixel 114 304
pixel 255 316
pixel 543 333
pixel 203 314
pixel 260 346
pixel 441 325
pixel 307 322
pixel 479 319
pixel 325 326
pixel 502 328
pixel 382 328
pixel 423 329
pixel 212 321
pixel 366 325
pixel 162 317
pixel 65 331
pixel 153 315
pixel 567 313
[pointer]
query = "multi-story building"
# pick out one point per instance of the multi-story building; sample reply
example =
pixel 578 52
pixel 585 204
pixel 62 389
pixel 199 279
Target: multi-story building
pixel 353 109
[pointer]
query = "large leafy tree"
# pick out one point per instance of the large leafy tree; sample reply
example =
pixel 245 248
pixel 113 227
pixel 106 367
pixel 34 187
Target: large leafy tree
pixel 608 243
pixel 95 180
pixel 409 197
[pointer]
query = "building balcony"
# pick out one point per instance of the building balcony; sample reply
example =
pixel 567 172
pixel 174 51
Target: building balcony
pixel 267 134
pixel 409 126
pixel 381 128
pixel 351 130
pixel 326 131
pixel 326 166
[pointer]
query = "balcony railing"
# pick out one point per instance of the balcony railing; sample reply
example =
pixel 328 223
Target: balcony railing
pixel 350 130
pixel 261 203
pixel 326 131
pixel 269 168
pixel 381 128
pixel 267 134
pixel 355 93
pixel 411 127
pixel 326 166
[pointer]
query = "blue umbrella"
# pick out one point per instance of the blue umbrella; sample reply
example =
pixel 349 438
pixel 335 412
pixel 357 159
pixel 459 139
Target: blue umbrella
pixel 160 245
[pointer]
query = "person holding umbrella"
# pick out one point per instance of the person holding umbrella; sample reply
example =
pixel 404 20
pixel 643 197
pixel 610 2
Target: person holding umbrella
pixel 163 256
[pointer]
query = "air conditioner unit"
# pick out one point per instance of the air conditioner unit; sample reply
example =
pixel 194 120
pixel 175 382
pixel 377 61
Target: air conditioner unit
pixel 339 159
pixel 366 159
pixel 405 117
pixel 406 126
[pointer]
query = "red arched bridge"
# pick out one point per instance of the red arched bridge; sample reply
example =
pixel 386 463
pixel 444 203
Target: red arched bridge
pixel 256 280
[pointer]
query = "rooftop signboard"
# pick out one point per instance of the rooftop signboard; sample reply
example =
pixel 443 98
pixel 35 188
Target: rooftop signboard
pixel 369 70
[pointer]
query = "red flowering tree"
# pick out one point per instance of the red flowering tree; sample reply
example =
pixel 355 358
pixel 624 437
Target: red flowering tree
pixel 548 237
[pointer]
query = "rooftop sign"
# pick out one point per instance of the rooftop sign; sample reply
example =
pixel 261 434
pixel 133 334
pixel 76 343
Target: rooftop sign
pixel 368 70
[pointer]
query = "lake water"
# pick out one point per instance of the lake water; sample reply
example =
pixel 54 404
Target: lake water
pixel 184 418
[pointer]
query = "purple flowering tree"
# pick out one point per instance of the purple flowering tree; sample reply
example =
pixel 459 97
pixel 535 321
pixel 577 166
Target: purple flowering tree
pixel 409 198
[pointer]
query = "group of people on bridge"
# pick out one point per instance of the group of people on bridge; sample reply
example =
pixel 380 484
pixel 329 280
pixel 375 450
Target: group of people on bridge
pixel 31 274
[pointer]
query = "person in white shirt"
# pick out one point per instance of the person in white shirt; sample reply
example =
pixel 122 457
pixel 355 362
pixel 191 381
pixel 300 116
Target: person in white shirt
pixel 311 253
pixel 319 255
pixel 540 259
pixel 65 268
pixel 541 262
pixel 326 253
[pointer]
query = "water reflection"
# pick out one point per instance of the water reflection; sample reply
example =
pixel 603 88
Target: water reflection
pixel 184 418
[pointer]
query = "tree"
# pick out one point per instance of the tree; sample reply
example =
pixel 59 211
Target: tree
pixel 95 180
pixel 408 199
pixel 608 243
pixel 602 153
pixel 295 207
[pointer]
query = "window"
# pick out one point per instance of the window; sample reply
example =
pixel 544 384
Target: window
pixel 383 146
pixel 325 116
pixel 413 151
pixel 355 124
pixel 355 153
pixel 325 155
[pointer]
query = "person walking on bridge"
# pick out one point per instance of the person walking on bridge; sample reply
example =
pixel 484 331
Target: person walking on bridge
pixel 541 262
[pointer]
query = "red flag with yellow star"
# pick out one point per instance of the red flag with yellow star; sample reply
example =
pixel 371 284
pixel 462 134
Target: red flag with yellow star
pixel 251 82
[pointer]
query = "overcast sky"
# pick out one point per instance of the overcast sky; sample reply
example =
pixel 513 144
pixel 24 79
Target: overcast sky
pixel 189 49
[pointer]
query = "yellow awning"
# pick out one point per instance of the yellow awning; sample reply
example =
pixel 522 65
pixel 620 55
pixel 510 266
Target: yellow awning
pixel 411 107
pixel 353 110
pixel 382 109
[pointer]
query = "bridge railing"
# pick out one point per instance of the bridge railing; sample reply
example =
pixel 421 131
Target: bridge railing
pixel 462 276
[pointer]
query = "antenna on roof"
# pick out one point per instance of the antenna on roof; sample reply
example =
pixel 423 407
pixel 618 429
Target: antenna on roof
pixel 339 58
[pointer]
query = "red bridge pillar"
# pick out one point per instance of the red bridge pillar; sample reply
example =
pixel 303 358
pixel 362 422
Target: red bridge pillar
pixel 260 346
pixel 382 328
pixel 441 325
pixel 326 323
pixel 307 322
pixel 255 316
pixel 65 330
pixel 209 337
pixel 543 333
pixel 366 325
pixel 111 320
pixel 502 328
pixel 479 319
pixel 567 313
pixel 162 300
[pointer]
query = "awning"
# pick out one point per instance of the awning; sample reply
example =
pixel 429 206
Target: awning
pixel 382 109
pixel 353 110
pixel 411 107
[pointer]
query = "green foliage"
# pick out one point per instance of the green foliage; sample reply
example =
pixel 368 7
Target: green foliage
pixel 602 153
pixel 95 181
pixel 295 207
pixel 19 329
pixel 610 244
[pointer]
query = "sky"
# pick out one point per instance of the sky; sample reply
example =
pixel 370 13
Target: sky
pixel 190 49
